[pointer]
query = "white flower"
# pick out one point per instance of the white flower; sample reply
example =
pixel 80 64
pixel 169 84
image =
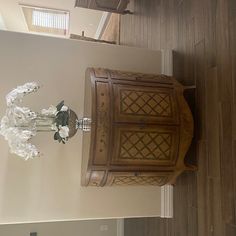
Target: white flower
pixel 18 93
pixel 64 108
pixel 51 111
pixel 18 125
pixel 64 131
pixel 54 127
pixel 18 139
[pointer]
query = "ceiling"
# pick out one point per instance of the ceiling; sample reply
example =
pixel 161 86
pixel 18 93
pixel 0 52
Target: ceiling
pixel 80 19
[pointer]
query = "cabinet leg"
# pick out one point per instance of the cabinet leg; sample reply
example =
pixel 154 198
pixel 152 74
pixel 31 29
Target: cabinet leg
pixel 173 181
pixel 190 167
pixel 127 12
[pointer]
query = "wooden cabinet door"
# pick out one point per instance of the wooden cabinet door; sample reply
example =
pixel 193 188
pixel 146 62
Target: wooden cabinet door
pixel 138 178
pixel 107 5
pixel 137 145
pixel 82 3
pixel 104 5
pixel 139 103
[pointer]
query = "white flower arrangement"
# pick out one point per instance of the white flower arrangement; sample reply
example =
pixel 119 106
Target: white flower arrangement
pixel 14 122
pixel 61 119
pixel 20 124
pixel 61 122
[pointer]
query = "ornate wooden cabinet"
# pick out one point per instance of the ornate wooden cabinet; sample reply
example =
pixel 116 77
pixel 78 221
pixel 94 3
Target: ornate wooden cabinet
pixel 116 6
pixel 141 129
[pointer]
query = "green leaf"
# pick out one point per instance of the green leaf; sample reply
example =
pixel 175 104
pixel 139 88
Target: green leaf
pixel 57 136
pixel 60 105
pixel 59 118
pixel 65 118
pixel 62 118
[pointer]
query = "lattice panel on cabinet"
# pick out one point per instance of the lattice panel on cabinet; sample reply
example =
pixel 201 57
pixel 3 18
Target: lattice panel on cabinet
pixel 145 145
pixel 139 180
pixel 145 103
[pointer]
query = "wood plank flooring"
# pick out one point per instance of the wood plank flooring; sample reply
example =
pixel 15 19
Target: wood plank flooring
pixel 202 34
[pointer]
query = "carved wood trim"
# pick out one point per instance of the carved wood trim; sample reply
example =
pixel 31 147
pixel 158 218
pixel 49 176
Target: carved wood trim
pixel 149 178
pixel 102 139
pixel 146 145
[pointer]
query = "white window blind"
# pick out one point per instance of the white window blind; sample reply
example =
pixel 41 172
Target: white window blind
pixel 50 19
pixel 44 20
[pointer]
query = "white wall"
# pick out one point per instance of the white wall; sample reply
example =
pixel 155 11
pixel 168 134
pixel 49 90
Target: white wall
pixel 73 228
pixel 80 19
pixel 48 188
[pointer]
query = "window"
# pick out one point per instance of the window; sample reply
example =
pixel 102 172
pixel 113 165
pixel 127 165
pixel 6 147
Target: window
pixel 44 20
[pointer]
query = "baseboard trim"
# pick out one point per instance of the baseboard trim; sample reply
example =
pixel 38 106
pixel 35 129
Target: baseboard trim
pixel 167 201
pixel 167 62
pixel 167 190
pixel 120 227
pixel 102 25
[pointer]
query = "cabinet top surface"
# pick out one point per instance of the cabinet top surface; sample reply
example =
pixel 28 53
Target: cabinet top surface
pixel 86 135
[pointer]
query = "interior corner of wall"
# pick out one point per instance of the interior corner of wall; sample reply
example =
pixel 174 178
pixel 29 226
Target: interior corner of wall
pixel 102 25
pixel 2 23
